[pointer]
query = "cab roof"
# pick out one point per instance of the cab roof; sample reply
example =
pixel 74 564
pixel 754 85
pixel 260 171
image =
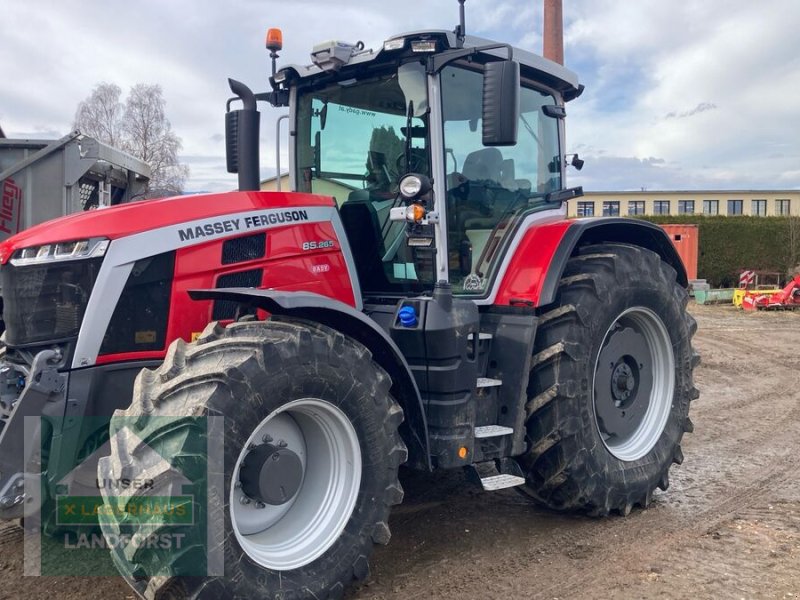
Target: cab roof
pixel 531 65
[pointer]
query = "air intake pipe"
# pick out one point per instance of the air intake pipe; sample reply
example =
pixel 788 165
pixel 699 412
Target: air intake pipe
pixel 242 137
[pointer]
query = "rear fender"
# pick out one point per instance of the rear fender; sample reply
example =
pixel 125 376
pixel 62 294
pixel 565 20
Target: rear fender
pixel 352 323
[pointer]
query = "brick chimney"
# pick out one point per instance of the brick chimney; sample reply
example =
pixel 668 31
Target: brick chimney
pixel 553 33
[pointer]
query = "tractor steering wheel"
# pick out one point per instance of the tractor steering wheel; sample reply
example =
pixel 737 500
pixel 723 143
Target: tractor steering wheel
pixel 417 164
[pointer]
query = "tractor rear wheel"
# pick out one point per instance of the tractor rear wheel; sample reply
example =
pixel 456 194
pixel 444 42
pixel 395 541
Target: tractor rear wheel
pixel 610 384
pixel 311 455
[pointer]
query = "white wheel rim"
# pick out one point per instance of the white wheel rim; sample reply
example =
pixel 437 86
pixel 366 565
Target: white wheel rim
pixel 644 436
pixel 298 532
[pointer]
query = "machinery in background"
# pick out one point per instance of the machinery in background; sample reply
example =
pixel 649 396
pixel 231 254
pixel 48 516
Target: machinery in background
pixel 787 298
pixel 45 179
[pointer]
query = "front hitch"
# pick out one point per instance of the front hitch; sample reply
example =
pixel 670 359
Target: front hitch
pixel 20 455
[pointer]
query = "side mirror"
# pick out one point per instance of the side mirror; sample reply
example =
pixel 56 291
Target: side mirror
pixel 500 103
pixel 241 138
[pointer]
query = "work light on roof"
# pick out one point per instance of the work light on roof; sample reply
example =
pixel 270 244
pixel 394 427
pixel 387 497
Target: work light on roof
pixel 423 45
pixel 395 44
pixel 333 55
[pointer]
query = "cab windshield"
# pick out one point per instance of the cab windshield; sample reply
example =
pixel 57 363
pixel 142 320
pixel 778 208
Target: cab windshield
pixel 355 139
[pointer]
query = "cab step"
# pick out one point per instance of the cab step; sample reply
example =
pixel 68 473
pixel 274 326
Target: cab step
pixel 481 336
pixel 487 431
pixel 500 482
pixel 484 382
pixel 496 475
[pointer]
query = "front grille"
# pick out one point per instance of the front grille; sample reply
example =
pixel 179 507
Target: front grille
pixel 226 309
pixel 46 302
pixel 243 249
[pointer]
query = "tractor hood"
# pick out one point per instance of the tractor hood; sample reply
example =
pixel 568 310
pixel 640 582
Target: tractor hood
pixel 137 217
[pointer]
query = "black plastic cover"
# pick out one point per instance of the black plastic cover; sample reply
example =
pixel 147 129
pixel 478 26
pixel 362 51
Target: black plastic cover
pixel 46 302
pixel 139 322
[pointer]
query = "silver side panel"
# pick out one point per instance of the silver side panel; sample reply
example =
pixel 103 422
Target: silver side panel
pixel 438 171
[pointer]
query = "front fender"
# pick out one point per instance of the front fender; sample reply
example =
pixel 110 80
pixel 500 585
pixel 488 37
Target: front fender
pixel 540 259
pixel 352 323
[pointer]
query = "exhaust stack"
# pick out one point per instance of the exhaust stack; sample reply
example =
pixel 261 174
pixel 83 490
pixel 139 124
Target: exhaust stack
pixel 241 138
pixel 553 31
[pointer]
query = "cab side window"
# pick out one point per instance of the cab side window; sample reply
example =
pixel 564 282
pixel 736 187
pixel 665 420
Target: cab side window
pixel 490 188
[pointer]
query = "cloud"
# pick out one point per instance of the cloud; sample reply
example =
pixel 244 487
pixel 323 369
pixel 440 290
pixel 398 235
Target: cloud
pixel 710 90
pixel 702 107
pixel 735 72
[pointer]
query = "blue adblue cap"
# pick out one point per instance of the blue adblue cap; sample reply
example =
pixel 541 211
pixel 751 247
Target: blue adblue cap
pixel 408 316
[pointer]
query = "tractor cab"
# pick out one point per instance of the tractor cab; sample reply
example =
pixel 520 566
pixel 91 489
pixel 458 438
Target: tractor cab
pixel 436 148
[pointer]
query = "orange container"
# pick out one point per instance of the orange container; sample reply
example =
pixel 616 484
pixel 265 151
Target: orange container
pixel 686 240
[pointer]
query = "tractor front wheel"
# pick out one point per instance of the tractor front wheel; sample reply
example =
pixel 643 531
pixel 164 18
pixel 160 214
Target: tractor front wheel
pixel 311 455
pixel 611 383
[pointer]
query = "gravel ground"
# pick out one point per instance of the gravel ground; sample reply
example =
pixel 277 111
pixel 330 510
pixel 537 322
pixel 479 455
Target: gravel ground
pixel 728 527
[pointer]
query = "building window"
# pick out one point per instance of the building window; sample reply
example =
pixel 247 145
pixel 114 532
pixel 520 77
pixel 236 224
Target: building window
pixel 710 207
pixel 661 207
pixel 735 207
pixel 783 208
pixel 636 207
pixel 685 207
pixel 759 208
pixel 585 209
pixel 610 209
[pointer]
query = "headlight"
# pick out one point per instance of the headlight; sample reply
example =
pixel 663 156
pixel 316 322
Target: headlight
pixel 410 186
pixel 414 185
pixel 60 251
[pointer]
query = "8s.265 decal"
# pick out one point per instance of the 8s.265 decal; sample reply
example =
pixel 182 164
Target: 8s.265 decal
pixel 321 245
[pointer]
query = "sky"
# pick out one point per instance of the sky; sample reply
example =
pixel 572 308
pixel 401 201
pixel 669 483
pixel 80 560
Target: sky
pixel 682 95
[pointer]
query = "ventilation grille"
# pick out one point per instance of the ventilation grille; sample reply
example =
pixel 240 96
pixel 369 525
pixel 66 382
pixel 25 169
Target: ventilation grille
pixel 89 194
pixel 244 248
pixel 226 309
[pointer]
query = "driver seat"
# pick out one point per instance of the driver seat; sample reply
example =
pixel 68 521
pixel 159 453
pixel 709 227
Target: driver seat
pixel 485 164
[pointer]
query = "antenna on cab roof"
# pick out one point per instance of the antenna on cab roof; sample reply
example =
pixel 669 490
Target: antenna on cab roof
pixel 461 29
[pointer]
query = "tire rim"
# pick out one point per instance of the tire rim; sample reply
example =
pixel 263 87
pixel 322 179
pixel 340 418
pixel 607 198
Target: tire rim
pixel 634 383
pixel 300 529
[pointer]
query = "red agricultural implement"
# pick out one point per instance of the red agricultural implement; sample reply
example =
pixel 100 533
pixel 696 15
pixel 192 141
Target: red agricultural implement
pixel 788 297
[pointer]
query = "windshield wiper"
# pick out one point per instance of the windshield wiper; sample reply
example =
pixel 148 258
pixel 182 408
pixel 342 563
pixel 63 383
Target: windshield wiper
pixel 409 136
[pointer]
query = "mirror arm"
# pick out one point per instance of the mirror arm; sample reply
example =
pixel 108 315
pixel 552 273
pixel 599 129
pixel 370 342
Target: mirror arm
pixel 276 98
pixel 438 62
pixel 561 196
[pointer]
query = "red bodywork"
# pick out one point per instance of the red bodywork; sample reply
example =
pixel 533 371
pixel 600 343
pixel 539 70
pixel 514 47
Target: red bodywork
pixel 530 263
pixel 286 264
pixel 136 217
pixel 788 297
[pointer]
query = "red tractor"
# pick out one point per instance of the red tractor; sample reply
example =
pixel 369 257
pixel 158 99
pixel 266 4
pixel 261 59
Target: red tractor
pixel 418 299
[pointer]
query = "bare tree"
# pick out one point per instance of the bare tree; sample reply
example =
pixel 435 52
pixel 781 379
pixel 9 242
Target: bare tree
pixel 100 115
pixel 140 127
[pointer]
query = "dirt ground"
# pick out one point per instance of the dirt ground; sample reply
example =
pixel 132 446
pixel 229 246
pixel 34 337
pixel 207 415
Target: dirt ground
pixel 728 527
